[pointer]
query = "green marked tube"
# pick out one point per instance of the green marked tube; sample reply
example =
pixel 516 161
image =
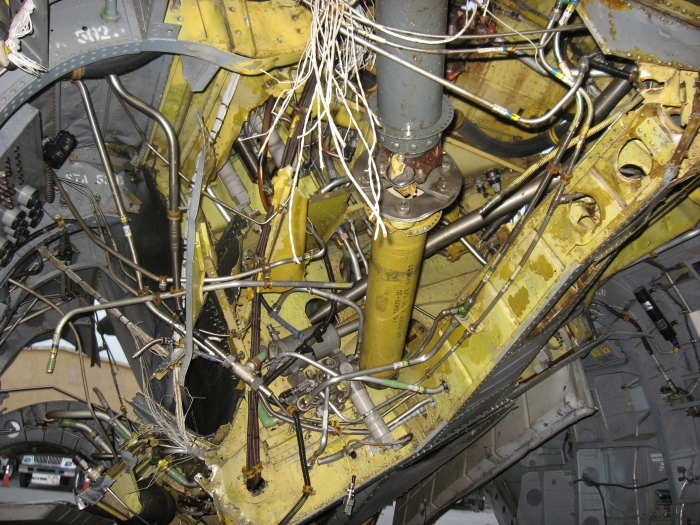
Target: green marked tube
pixel 51 365
pixel 265 418
pixel 392 383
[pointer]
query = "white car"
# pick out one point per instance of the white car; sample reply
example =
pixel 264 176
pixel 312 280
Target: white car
pixel 48 470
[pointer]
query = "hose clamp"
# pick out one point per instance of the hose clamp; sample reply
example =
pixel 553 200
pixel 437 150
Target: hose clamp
pixel 308 489
pixel 174 215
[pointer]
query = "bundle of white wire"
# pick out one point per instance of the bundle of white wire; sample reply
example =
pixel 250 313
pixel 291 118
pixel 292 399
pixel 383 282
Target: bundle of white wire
pixel 336 61
pixel 22 26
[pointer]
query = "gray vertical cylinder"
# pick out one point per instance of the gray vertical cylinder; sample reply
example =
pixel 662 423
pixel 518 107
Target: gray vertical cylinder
pixel 409 105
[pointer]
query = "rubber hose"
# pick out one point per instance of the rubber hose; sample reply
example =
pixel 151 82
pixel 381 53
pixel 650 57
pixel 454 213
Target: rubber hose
pixel 119 65
pixel 604 104
pixel 505 148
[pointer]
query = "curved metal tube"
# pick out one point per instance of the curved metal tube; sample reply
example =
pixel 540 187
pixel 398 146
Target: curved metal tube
pixel 150 344
pixel 311 256
pixel 351 304
pixel 288 419
pixel 363 375
pixel 85 414
pixel 354 261
pixel 495 108
pixel 90 434
pixel 341 181
pixel 174 169
pixel 171 295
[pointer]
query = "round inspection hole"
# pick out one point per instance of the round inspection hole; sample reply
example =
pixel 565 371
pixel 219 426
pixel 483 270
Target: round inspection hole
pixel 585 213
pixel 634 160
pixel 534 497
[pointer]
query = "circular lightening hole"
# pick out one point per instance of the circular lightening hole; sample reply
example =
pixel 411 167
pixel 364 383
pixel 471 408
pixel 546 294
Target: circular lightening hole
pixel 634 160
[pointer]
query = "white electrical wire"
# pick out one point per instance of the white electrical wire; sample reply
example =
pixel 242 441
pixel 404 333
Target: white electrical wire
pixel 413 37
pixel 22 26
pixel 334 62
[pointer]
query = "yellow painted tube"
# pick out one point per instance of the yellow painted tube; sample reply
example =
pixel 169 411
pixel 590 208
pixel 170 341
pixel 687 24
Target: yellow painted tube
pixel 394 269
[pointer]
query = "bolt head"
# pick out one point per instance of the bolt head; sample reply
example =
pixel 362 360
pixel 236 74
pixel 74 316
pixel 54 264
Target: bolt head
pixel 403 206
pixel 443 186
pixel 446 163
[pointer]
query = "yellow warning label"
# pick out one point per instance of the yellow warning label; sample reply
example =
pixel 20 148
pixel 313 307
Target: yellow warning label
pixel 595 352
pixel 605 349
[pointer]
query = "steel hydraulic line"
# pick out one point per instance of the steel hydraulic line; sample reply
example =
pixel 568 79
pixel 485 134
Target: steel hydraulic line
pixel 468 246
pixel 335 183
pixel 357 445
pixel 324 429
pixel 348 328
pixel 44 251
pixel 450 51
pixel 347 302
pixel 97 210
pixel 491 205
pixel 147 346
pixel 287 419
pixel 90 433
pixel 109 173
pixel 20 319
pixel 354 261
pixel 395 423
pixel 170 295
pixel 554 167
pixel 310 256
pixel 495 108
pixel 124 432
pixel 627 318
pixel 219 202
pixel 364 375
pixel 209 193
pixel 95 239
pixel 356 241
pixel 410 413
pixel 79 347
pixel 361 376
pixel 567 28
pixel 174 171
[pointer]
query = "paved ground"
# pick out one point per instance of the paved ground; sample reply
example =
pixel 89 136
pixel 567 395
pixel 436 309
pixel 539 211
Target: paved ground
pixel 14 493
pixel 451 517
